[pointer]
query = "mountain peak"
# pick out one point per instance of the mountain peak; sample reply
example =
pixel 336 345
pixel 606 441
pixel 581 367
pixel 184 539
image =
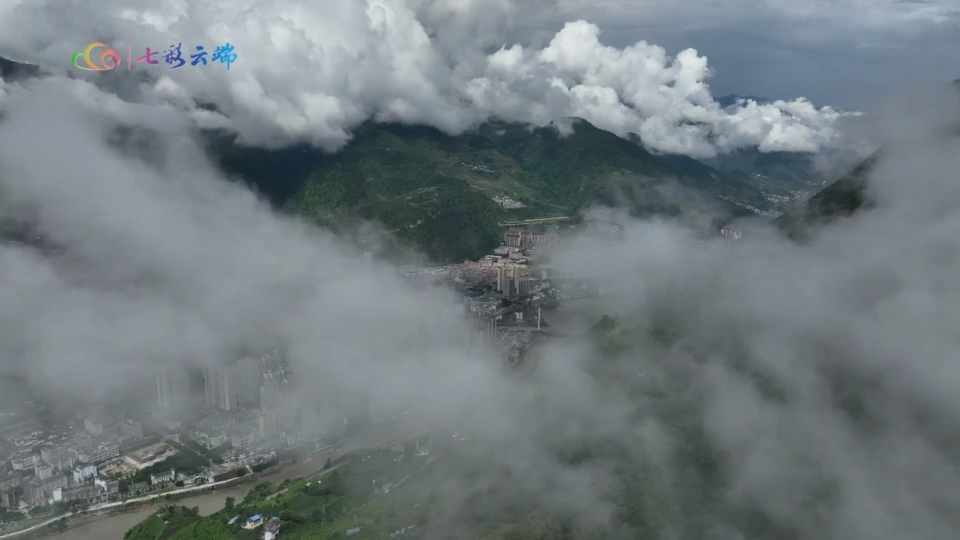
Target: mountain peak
pixel 12 70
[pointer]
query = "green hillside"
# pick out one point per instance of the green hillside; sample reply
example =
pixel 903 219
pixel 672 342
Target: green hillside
pixel 593 165
pixel 430 189
pixel 435 191
pixel 840 199
pixel 777 172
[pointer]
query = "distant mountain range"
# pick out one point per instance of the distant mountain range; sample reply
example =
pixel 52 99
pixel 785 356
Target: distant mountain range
pixel 448 194
pixel 10 70
pixel 437 191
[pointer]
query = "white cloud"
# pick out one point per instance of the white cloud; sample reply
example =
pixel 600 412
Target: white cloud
pixel 853 15
pixel 314 71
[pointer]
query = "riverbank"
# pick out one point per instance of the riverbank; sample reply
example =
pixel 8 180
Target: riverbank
pixel 112 522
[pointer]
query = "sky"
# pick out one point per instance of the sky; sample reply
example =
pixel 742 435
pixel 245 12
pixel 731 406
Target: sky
pixel 844 53
pixel 312 72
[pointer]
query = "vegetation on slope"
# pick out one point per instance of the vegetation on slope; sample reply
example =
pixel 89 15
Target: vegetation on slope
pixel 774 172
pixel 584 167
pixel 840 199
pixel 435 191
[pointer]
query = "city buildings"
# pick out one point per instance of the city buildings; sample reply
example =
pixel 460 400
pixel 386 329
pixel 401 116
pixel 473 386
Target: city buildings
pixel 57 456
pixel 93 425
pixel 34 494
pixel 173 387
pixel 107 487
pixel 527 237
pixel 99 453
pixel 218 388
pixel 83 472
pixel 163 477
pixel 132 428
pixel 79 493
pixel 730 233
pixel 150 455
pixel 43 471
pixel 54 482
pixel 24 461
pixel 268 424
pixel 240 383
pixel 9 498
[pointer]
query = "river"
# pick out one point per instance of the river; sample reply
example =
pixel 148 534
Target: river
pixel 113 527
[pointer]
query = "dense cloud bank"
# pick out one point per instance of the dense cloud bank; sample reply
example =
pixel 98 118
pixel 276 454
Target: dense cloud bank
pixel 826 373
pixel 167 264
pixel 315 71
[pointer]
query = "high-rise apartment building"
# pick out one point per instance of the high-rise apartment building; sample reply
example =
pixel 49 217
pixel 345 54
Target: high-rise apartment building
pixel 246 375
pixel 268 424
pixel 173 387
pixel 503 274
pixel 219 388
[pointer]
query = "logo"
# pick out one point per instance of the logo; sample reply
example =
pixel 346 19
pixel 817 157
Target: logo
pixel 111 59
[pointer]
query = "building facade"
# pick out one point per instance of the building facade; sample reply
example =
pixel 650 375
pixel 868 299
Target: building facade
pixel 219 389
pixel 173 386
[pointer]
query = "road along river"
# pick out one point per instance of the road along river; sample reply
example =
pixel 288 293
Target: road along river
pixel 113 526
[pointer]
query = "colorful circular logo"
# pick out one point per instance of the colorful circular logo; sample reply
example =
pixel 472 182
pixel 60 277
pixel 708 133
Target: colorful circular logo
pixel 109 58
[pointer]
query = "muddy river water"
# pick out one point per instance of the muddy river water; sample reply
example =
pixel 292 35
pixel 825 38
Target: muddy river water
pixel 113 527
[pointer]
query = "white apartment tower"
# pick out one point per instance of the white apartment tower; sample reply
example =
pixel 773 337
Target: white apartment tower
pixel 173 386
pixel 218 389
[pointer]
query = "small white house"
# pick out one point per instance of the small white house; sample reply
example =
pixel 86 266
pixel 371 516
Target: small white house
pixel 253 522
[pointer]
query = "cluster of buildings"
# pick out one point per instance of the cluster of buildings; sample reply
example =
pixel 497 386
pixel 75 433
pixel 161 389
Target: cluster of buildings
pixel 63 464
pixel 57 473
pixel 503 293
pixel 508 203
pixel 249 409
pixel 246 410
pixel 271 528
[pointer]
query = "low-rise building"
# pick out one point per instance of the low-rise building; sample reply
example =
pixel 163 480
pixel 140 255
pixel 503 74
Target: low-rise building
pixel 241 437
pixel 211 440
pixel 272 529
pixel 24 461
pixel 107 487
pixel 100 453
pixel 131 427
pixel 253 522
pixel 82 493
pixel 163 478
pixel 93 425
pixel 150 455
